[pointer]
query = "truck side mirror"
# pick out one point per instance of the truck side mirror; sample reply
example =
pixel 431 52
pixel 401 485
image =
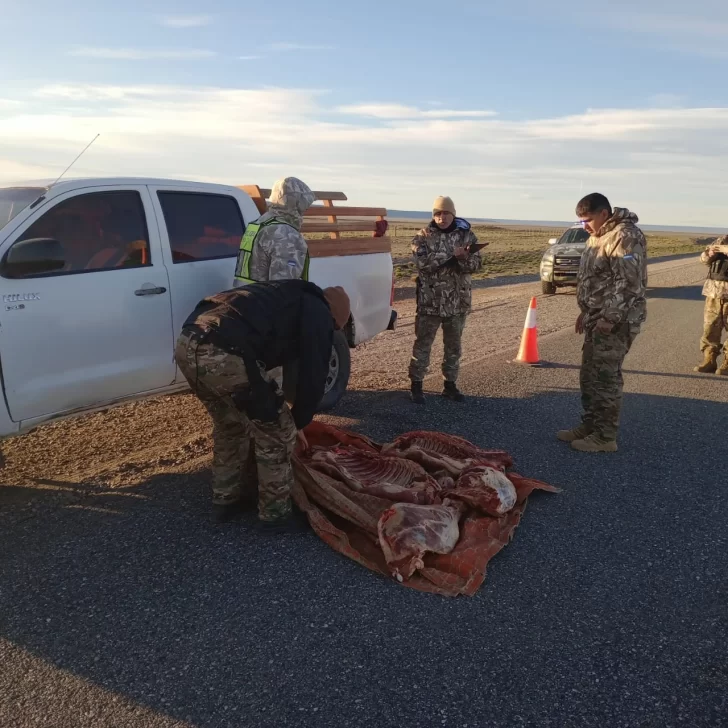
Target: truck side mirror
pixel 34 257
pixel 553 241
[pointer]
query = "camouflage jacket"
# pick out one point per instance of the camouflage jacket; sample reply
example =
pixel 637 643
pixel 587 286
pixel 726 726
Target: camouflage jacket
pixel 612 279
pixel 444 286
pixel 715 289
pixel 280 251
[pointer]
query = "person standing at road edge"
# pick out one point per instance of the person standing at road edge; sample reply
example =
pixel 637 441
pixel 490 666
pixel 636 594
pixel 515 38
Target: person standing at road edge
pixel 715 317
pixel 227 347
pixel 611 289
pixel 446 252
pixel 272 247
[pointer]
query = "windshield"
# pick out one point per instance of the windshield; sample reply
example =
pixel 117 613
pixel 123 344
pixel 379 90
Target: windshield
pixel 15 199
pixel 574 235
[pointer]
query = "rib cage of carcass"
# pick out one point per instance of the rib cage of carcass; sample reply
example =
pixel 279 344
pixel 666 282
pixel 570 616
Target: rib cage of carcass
pixel 437 500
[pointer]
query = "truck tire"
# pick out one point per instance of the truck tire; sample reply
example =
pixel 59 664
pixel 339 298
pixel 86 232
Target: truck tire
pixel 339 372
pixel 336 382
pixel 548 288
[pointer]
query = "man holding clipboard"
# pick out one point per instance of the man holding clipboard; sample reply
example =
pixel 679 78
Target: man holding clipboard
pixel 446 253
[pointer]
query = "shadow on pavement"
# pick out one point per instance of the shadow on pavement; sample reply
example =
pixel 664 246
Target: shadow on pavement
pixel 696 375
pixel 131 589
pixel 681 293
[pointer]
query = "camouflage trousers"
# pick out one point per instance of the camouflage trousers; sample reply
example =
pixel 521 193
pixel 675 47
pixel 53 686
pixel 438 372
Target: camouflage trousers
pixel 215 376
pixel 715 320
pixel 426 328
pixel 601 378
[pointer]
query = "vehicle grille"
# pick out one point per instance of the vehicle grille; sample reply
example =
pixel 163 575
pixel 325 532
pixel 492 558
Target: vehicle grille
pixel 571 262
pixel 566 267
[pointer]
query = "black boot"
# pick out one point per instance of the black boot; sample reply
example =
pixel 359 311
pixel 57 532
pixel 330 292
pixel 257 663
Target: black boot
pixel 452 392
pixel 416 393
pixel 224 512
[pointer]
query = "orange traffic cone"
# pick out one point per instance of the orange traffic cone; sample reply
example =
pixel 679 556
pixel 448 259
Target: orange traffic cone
pixel 528 353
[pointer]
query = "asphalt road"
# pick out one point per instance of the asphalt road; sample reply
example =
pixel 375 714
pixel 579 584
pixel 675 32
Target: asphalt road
pixel 608 609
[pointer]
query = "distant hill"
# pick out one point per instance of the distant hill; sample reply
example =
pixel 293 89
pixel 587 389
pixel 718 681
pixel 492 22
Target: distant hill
pixel 419 215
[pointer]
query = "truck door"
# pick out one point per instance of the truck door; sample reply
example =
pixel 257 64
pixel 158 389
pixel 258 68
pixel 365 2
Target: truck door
pixel 97 329
pixel 200 237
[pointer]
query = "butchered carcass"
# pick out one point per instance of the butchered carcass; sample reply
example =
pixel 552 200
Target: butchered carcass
pixel 485 489
pixel 407 532
pixel 387 477
pixel 438 451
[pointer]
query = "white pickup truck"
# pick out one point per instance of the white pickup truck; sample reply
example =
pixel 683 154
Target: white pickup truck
pixel 98 275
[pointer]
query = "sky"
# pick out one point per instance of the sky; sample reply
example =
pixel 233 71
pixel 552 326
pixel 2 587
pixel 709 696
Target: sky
pixel 514 108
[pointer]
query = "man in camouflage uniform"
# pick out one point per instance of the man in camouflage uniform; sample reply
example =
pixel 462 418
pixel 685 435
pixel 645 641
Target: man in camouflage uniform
pixel 225 351
pixel 272 248
pixel 611 288
pixel 446 252
pixel 715 317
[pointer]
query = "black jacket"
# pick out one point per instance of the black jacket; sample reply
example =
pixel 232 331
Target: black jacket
pixel 274 323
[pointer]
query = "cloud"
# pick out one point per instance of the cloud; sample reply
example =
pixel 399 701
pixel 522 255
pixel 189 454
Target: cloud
pixel 140 54
pixel 249 58
pixel 398 111
pixel 666 163
pixel 286 47
pixel 185 21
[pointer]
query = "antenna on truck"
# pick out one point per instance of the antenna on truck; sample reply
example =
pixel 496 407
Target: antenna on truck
pixel 78 157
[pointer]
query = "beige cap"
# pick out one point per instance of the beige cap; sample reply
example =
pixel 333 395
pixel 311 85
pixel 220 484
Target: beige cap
pixel 443 204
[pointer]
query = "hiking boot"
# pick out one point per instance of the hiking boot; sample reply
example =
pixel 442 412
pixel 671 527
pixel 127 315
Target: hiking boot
pixel 709 365
pixel 723 371
pixel 594 443
pixel 451 391
pixel 224 512
pixel 578 433
pixel 416 393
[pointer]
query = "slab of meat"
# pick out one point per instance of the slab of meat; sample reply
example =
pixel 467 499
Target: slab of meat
pixel 387 477
pixel 407 532
pixel 437 451
pixel 485 489
pixel 424 520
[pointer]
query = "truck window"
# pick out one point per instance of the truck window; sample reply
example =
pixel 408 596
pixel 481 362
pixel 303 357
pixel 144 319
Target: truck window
pixel 15 199
pixel 201 226
pixel 98 231
pixel 574 236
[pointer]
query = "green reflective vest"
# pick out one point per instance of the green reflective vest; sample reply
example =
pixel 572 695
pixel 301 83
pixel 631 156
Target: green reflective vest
pixel 245 255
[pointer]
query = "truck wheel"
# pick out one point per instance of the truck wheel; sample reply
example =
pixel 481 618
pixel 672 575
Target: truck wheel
pixel 548 288
pixel 339 372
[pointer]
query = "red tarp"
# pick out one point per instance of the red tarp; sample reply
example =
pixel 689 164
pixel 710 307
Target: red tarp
pixel 346 519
